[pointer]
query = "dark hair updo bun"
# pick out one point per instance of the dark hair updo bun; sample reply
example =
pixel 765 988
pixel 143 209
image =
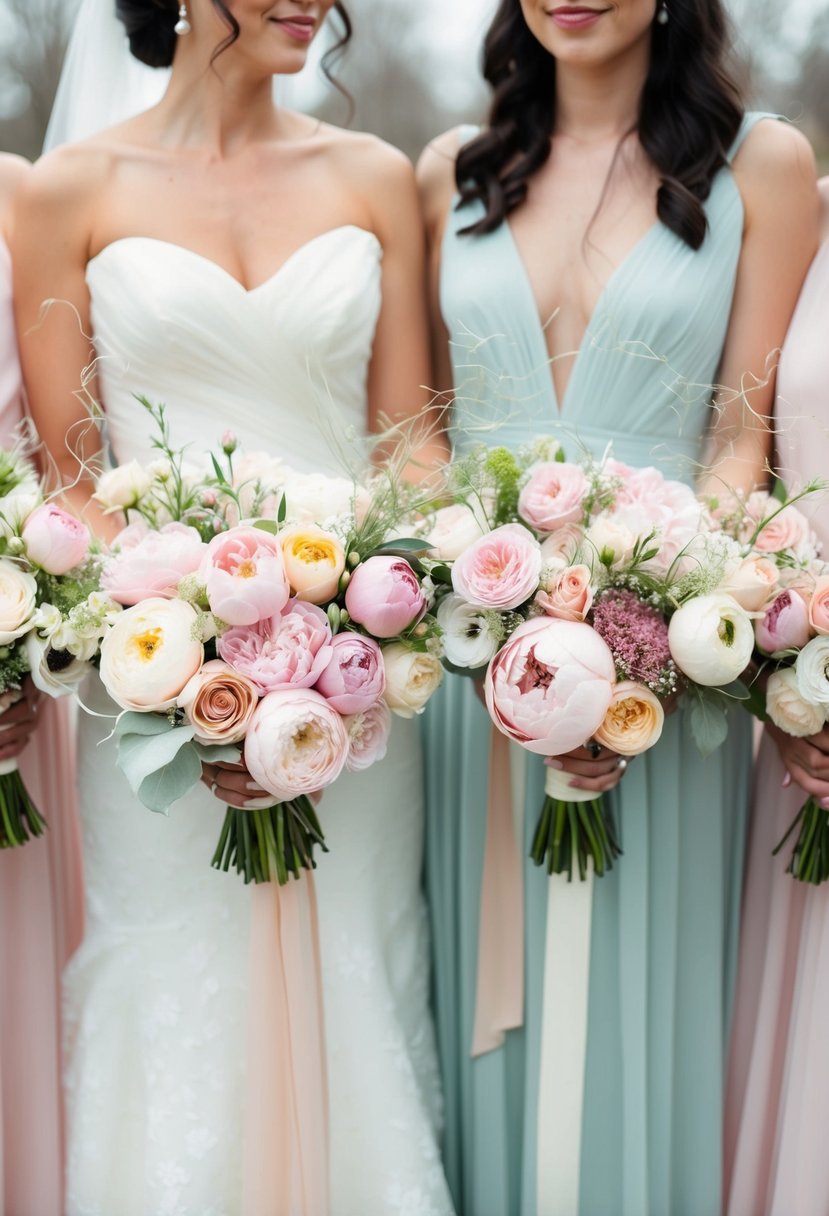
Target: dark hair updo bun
pixel 150 26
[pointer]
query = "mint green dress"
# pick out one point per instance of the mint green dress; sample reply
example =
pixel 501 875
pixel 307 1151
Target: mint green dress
pixel 665 921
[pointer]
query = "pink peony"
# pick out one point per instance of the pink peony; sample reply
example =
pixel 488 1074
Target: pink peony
pixel 385 597
pixel 245 576
pixel 368 737
pixel 785 625
pixel 355 677
pixel 819 606
pixel 650 502
pixel 55 540
pixel 550 686
pixel 287 651
pixel 151 564
pixel 553 496
pixel 567 595
pixel 500 570
pixel 296 744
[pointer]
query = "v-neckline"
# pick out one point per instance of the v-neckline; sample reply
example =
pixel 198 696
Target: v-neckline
pixel 589 331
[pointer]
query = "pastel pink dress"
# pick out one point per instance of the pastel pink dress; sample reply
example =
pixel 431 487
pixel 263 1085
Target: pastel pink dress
pixel 777 1108
pixel 41 913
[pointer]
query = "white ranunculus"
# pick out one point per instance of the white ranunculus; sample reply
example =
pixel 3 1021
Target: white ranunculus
pixel 468 637
pixel 150 653
pixel 788 709
pixel 18 591
pixel 122 487
pixel 454 529
pixel 412 677
pixel 812 668
pixel 711 639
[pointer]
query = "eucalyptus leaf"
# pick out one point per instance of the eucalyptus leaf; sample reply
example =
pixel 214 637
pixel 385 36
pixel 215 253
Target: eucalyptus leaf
pixel 266 525
pixel 141 756
pixel 166 785
pixel 709 725
pixel 227 753
pixel 143 724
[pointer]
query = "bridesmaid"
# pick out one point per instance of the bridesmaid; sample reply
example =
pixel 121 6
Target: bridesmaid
pixel 40 885
pixel 619 236
pixel 778 1086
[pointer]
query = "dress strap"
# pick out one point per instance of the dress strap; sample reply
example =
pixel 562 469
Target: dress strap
pixel 750 121
pixel 467 132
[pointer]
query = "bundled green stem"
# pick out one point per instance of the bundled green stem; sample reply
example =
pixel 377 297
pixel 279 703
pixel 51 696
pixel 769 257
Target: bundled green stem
pixel 20 819
pixel 271 845
pixel 570 833
pixel 809 861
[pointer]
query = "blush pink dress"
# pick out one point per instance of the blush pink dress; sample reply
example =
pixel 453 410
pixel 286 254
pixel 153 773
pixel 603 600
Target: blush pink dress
pixel 777 1108
pixel 41 913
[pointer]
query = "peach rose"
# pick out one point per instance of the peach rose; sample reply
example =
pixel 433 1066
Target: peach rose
pixel 633 722
pixel 819 606
pixel 219 703
pixel 753 583
pixel 568 594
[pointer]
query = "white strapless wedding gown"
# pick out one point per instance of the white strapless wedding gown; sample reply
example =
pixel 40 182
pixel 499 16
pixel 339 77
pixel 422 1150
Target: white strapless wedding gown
pixel 156 999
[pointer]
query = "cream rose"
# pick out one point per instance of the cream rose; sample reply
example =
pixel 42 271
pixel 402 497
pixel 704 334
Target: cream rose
pixel 787 709
pixel 412 677
pixel 453 530
pixel 611 541
pixel 634 720
pixel 150 653
pixel 123 487
pixel 18 591
pixel 753 583
pixel 219 703
pixel 314 562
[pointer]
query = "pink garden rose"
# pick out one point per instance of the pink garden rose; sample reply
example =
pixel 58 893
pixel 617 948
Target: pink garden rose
pixel 785 625
pixel 787 528
pixel 368 737
pixel 567 594
pixel 550 686
pixel 355 677
pixel 553 496
pixel 55 540
pixel 287 651
pixel 219 703
pixel 151 563
pixel 296 744
pixel 245 576
pixel 819 606
pixel 384 596
pixel 501 570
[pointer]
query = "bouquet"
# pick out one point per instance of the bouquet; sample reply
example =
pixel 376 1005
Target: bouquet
pixel 792 643
pixel 591 595
pixel 52 614
pixel 265 614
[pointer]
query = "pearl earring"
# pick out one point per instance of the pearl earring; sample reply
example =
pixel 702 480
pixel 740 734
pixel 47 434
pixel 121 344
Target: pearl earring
pixel 182 26
pixel 663 16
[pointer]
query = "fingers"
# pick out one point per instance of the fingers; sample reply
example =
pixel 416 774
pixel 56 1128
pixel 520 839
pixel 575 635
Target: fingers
pixel 599 774
pixel 811 785
pixel 234 786
pixel 23 711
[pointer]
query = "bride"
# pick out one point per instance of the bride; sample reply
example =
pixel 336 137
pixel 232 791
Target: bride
pixel 230 258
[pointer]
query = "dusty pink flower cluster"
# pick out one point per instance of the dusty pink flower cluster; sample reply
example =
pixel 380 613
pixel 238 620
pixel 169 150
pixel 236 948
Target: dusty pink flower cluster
pixel 637 636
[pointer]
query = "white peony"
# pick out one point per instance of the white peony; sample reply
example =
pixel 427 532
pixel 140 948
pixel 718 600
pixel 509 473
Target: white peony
pixel 812 668
pixel 711 639
pixel 788 709
pixel 468 637
pixel 150 653
pixel 412 677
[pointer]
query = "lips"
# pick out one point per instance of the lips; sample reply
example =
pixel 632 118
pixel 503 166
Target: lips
pixel 299 27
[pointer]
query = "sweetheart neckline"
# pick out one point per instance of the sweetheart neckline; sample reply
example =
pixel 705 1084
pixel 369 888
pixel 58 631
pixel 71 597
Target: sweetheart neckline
pixel 201 257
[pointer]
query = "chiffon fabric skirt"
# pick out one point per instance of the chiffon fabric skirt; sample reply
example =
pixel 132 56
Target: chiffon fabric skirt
pixel 777 1109
pixel 661 970
pixel 41 922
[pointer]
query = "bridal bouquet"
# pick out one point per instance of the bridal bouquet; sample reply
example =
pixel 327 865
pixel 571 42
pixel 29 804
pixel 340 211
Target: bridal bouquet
pixel 591 594
pixel 52 615
pixel 792 643
pixel 265 615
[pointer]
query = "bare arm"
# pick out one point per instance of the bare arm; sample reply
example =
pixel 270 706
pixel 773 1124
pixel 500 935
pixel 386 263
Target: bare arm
pixel 398 386
pixel 436 181
pixel 50 250
pixel 775 173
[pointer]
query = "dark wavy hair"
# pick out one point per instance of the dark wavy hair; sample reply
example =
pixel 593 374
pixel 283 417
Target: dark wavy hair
pixel 150 26
pixel 689 116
